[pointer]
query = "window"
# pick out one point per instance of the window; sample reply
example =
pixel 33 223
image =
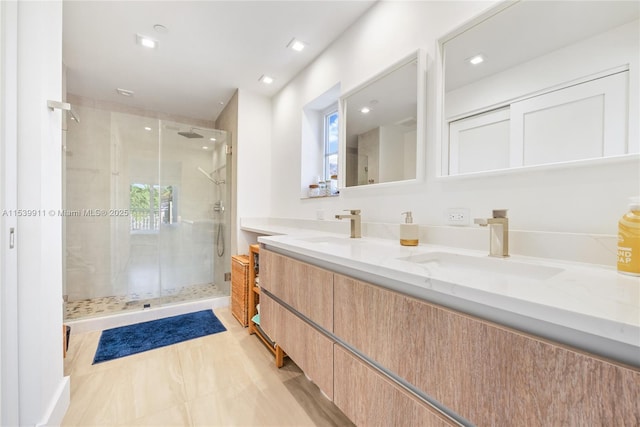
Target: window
pixel 331 143
pixel 319 141
pixel 151 205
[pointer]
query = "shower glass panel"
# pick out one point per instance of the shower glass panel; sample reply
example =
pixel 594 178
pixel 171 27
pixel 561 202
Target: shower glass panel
pixel 146 218
pixel 192 205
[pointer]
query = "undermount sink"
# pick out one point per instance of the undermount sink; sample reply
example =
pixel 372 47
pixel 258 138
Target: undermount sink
pixel 472 264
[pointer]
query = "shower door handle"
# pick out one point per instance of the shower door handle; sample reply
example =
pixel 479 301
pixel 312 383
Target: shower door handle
pixel 57 105
pixel 64 106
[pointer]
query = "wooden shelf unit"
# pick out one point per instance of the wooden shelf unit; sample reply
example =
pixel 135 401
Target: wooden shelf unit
pixel 254 300
pixel 240 288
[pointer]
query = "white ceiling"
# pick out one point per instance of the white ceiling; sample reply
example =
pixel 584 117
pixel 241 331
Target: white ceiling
pixel 392 100
pixel 211 48
pixel 527 30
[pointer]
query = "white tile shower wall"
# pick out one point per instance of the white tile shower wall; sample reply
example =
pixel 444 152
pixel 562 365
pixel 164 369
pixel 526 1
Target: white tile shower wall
pixel 103 257
pixel 88 179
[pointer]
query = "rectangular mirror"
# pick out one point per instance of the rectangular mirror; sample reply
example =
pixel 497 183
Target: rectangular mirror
pixel 382 132
pixel 540 82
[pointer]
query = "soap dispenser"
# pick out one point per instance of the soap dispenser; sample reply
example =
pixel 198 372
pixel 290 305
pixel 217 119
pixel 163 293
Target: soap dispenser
pixel 629 240
pixel 409 232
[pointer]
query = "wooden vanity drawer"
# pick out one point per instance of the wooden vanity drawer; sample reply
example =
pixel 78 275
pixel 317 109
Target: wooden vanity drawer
pixel 370 399
pixel 308 348
pixel 487 373
pixel 306 288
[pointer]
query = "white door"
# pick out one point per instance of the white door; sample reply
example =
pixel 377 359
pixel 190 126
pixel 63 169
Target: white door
pixel 9 404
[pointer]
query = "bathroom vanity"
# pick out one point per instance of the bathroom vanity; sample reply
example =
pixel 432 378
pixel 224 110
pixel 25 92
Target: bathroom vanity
pixel 436 336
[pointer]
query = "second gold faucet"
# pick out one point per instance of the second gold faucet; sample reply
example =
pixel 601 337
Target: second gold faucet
pixel 499 232
pixel 355 222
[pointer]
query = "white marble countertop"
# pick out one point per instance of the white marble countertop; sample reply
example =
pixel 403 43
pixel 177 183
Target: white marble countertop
pixel 590 307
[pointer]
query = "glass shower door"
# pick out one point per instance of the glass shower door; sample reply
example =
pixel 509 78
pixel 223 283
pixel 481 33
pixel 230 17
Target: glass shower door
pixel 167 240
pixel 136 244
pixel 192 200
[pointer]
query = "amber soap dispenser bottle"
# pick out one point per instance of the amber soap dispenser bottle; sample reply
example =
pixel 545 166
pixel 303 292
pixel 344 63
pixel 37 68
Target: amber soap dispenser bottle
pixel 629 240
pixel 409 232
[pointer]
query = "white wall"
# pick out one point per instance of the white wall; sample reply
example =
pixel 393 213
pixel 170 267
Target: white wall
pixel 253 156
pixel 43 391
pixel 587 199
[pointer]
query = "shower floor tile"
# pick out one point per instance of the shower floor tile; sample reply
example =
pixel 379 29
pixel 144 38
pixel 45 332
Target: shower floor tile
pixel 95 307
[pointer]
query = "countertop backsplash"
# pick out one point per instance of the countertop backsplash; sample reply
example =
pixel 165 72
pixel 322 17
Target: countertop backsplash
pixel 599 249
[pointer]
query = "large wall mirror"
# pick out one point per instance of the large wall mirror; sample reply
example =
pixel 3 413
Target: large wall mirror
pixel 534 83
pixel 383 126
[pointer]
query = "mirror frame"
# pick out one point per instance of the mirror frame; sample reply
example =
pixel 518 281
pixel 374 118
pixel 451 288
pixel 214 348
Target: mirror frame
pixel 420 58
pixel 442 162
pixel 441 131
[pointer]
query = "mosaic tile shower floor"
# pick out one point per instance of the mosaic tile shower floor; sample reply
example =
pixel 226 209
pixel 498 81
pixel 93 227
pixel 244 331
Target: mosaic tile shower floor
pixel 95 307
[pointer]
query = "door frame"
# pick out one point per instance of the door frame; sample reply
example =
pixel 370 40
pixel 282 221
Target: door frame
pixel 9 383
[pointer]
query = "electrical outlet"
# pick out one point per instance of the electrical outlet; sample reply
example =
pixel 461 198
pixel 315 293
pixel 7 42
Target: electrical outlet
pixel 457 216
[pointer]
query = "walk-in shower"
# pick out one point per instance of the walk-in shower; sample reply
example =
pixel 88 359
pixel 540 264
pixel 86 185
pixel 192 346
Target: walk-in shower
pixel 160 232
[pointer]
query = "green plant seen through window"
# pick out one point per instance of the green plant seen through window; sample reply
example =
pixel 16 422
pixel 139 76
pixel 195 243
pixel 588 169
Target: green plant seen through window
pixel 150 205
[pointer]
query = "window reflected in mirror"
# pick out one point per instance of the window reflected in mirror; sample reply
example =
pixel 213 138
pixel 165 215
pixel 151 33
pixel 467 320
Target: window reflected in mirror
pixel 381 122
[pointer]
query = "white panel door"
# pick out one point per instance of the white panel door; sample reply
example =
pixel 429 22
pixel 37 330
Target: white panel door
pixel 480 143
pixel 584 121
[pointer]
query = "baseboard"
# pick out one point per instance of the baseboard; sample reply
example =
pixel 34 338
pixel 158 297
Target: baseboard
pixel 59 405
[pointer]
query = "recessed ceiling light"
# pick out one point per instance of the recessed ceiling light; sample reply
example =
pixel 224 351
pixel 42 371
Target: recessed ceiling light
pixel 124 92
pixel 204 147
pixel 147 128
pixel 296 45
pixel 212 139
pixel 475 60
pixel 364 110
pixel 146 41
pixel 266 79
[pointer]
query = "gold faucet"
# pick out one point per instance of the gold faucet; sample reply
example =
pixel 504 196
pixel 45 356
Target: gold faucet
pixel 355 222
pixel 499 232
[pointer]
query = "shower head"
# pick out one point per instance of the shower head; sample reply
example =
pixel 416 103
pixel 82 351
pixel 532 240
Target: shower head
pixel 191 134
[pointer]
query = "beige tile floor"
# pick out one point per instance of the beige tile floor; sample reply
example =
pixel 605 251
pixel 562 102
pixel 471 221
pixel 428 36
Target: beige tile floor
pixel 225 379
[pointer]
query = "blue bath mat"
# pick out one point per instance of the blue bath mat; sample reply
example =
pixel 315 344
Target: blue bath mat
pixel 127 340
